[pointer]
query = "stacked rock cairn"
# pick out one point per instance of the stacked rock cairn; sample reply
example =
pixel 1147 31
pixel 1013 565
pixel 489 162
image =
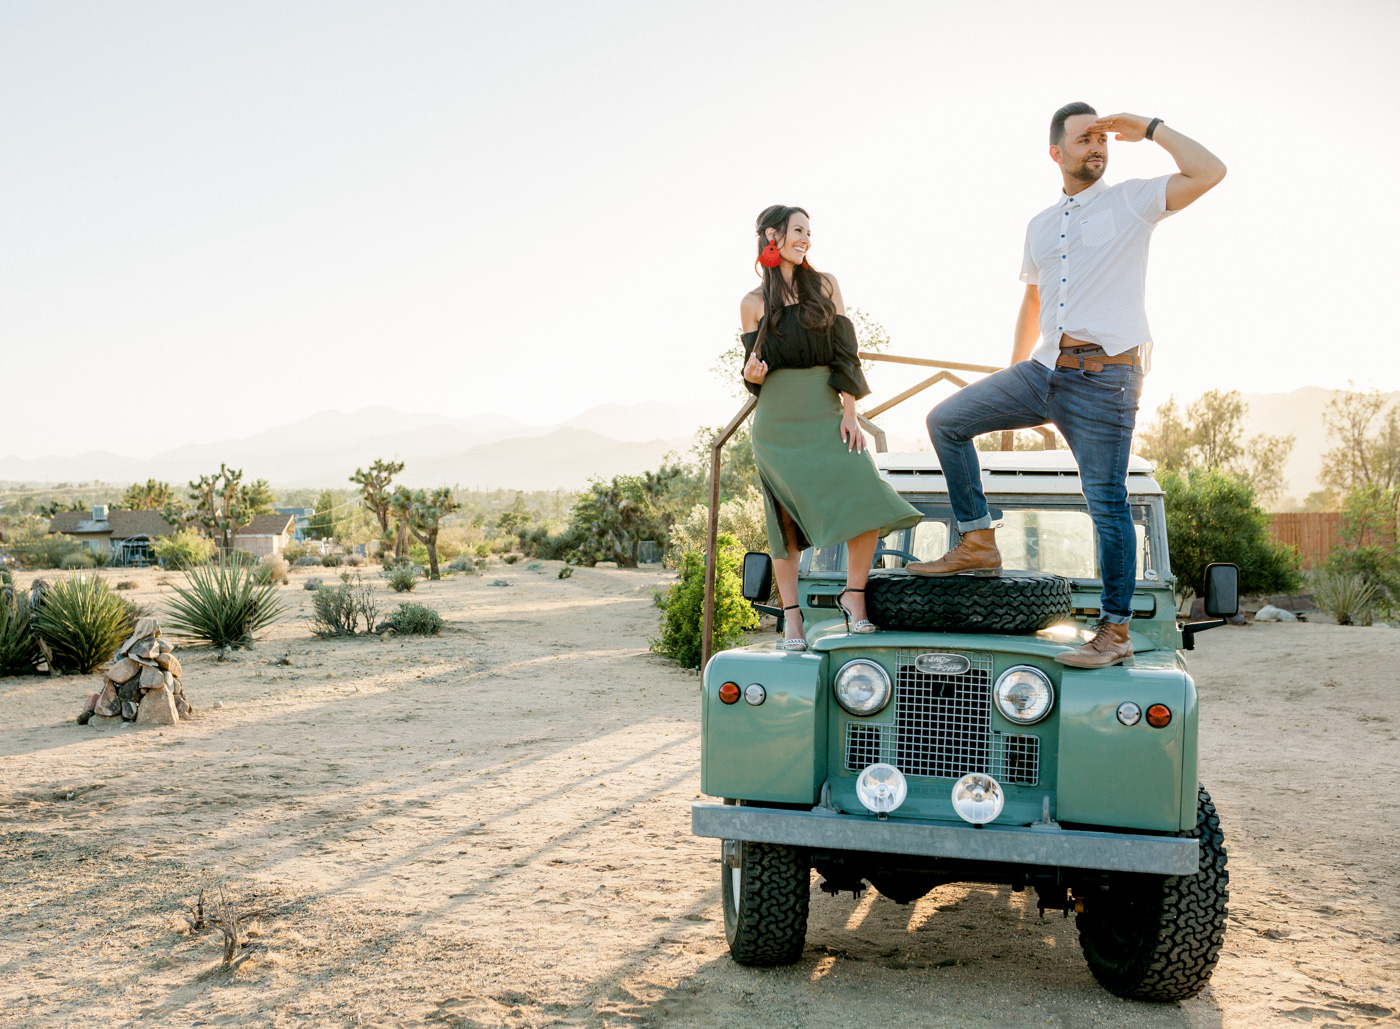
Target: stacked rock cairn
pixel 143 685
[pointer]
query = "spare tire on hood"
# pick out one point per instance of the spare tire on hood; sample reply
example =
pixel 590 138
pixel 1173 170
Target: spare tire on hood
pixel 1008 601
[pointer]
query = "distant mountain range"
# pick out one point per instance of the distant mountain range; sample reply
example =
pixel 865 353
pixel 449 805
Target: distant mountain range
pixel 487 451
pixel 493 451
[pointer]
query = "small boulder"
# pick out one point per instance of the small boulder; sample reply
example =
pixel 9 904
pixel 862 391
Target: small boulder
pixel 105 721
pixel 166 647
pixel 130 690
pixel 108 704
pixel 157 708
pixel 170 663
pixel 148 649
pixel 123 670
pixel 182 706
pixel 130 709
pixel 152 677
pixel 1269 613
pixel 145 627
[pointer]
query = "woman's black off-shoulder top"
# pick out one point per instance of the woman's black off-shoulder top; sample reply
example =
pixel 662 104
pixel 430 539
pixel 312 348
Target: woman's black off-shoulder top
pixel 789 345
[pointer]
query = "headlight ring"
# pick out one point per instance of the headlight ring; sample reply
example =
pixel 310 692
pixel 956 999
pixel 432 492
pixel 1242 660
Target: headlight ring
pixel 1024 694
pixel 862 688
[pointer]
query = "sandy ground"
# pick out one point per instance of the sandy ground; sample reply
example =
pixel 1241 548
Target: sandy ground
pixel 491 828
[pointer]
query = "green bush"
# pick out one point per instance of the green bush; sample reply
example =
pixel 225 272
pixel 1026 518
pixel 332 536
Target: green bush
pixel 1213 517
pixel 538 542
pixel 416 620
pixel 1348 598
pixel 332 560
pixel 50 551
pixel 510 559
pixel 184 549
pixel 77 561
pixel 462 564
pixel 1377 566
pixel 18 650
pixel 683 608
pixel 338 610
pixel 223 605
pixel 566 572
pixel 82 622
pixel 402 578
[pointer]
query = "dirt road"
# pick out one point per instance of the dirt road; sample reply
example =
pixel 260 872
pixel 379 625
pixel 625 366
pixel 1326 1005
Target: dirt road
pixel 491 828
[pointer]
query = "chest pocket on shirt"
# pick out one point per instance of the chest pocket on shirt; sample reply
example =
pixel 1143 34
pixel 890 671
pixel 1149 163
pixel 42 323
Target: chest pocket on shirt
pixel 1097 229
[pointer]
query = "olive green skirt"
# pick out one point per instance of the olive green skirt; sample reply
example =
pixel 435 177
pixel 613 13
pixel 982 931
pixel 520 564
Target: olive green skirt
pixel 832 494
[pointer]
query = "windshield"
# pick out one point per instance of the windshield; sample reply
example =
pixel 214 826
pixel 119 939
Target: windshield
pixel 1058 538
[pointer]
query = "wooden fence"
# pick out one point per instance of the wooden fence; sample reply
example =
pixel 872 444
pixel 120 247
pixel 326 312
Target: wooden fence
pixel 1314 533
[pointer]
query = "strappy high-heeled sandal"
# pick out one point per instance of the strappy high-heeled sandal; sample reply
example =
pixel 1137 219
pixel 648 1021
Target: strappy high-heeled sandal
pixel 861 625
pixel 795 643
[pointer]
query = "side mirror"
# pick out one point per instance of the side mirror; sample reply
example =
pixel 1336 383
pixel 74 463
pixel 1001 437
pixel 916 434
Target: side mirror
pixel 758 576
pixel 1221 590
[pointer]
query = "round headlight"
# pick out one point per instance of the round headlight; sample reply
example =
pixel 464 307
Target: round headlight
pixel 978 798
pixel 881 788
pixel 1024 694
pixel 862 687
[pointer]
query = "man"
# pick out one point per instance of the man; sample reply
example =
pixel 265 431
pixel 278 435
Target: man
pixel 1085 269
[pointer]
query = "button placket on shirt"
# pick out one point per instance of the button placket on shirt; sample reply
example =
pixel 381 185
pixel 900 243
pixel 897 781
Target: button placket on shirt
pixel 1064 267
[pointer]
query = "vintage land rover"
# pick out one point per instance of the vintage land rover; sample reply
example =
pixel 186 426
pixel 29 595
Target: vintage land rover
pixel 952 747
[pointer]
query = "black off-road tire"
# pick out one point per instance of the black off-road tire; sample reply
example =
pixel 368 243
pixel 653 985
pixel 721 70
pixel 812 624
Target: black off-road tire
pixel 768 924
pixel 1008 602
pixel 1157 938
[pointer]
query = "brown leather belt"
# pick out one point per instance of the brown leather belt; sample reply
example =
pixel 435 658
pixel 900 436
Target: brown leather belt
pixel 1089 357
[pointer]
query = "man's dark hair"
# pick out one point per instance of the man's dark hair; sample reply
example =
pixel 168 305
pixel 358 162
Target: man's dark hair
pixel 1057 123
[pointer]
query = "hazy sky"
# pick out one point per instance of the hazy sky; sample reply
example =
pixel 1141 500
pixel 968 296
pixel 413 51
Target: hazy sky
pixel 218 217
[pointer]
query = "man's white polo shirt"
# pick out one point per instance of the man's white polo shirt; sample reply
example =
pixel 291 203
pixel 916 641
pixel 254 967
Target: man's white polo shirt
pixel 1088 256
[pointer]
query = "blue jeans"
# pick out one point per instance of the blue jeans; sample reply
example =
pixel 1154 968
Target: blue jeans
pixel 1095 411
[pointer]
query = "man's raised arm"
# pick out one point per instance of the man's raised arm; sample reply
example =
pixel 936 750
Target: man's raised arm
pixel 1027 325
pixel 1199 168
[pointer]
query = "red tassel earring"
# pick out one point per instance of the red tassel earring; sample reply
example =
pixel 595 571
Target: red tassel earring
pixel 770 258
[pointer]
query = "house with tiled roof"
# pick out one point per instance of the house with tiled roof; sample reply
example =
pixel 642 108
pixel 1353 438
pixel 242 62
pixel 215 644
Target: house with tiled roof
pixel 107 531
pixel 266 534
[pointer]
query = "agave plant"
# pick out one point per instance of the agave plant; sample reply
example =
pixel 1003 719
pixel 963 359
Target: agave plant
pixel 82 621
pixel 1350 599
pixel 223 605
pixel 17 647
pixel 402 577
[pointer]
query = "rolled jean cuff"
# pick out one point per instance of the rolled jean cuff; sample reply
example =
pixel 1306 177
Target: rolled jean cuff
pixel 985 522
pixel 1113 619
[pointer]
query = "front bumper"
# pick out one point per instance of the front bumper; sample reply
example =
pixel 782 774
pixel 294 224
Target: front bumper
pixel 1010 844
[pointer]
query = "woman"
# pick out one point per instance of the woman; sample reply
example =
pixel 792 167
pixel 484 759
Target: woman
pixel 820 486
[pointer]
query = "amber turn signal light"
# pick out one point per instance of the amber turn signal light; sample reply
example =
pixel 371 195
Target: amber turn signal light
pixel 1158 715
pixel 729 693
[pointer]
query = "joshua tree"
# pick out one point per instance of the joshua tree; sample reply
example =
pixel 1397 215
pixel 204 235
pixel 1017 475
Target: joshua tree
pixel 219 504
pixel 153 496
pixel 375 487
pixel 422 512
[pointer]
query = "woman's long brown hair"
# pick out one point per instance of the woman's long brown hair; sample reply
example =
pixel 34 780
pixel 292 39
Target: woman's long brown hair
pixel 808 289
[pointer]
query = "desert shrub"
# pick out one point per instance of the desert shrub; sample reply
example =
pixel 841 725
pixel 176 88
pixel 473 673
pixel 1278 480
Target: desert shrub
pixel 482 549
pixel 272 569
pixel 294 550
pixel 5 577
pixel 462 564
pixel 82 622
pixel 1377 566
pixel 338 610
pixel 184 549
pixel 312 584
pixel 101 558
pixel 539 542
pixel 223 605
pixel 743 518
pixel 1212 516
pixel 50 551
pixel 418 553
pixel 416 620
pixel 306 561
pixel 18 650
pixel 77 560
pixel 683 606
pixel 355 560
pixel 332 560
pixel 510 559
pixel 402 578
pixel 566 571
pixel 1349 598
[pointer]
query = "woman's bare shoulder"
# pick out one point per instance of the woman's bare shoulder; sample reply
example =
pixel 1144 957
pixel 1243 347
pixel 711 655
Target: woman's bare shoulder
pixel 751 309
pixel 833 290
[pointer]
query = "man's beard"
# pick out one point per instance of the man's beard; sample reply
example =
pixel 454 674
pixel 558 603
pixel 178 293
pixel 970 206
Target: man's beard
pixel 1086 174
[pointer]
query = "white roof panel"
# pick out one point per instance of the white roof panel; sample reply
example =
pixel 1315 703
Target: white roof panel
pixel 1022 471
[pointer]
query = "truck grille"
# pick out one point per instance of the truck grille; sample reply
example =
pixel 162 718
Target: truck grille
pixel 943 728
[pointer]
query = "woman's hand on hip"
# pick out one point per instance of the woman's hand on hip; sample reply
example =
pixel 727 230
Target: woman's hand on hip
pixel 851 434
pixel 755 371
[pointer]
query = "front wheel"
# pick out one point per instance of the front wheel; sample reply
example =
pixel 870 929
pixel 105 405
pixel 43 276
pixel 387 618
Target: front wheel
pixel 1157 938
pixel 765 892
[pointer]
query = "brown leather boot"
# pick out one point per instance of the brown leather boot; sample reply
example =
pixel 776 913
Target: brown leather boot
pixel 1109 646
pixel 975 552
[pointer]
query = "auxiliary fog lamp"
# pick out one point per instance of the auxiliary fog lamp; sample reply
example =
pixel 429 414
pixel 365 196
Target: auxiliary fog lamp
pixel 881 788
